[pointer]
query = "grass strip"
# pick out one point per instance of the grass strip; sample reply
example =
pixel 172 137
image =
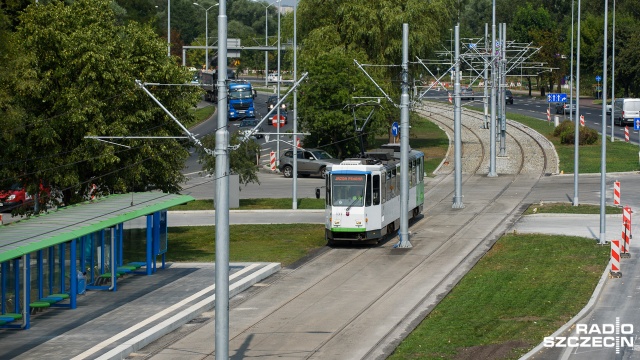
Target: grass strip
pixel 200 115
pixel 255 204
pixel 568 208
pixel 523 289
pixel 284 243
pixel 621 156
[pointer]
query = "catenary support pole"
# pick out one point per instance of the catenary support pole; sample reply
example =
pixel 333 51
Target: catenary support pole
pixel 485 99
pixel 603 155
pixel 295 111
pixel 576 145
pixel 457 146
pixel 503 84
pixel 222 196
pixel 492 125
pixel 613 71
pixel 404 142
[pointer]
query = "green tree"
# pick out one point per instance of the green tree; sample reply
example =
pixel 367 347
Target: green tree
pixel 370 31
pixel 84 67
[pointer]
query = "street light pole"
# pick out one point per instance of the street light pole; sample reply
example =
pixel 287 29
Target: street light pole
pixel 613 69
pixel 169 28
pixel 603 154
pixel 278 92
pixel 206 33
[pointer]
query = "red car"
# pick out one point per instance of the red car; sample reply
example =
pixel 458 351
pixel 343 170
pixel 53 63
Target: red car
pixel 16 195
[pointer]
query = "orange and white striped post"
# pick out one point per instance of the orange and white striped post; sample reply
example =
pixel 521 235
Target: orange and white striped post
pixel 582 120
pixel 615 259
pixel 1 223
pixel 272 159
pixel 616 193
pixel 298 143
pixel 548 115
pixel 626 133
pixel 626 232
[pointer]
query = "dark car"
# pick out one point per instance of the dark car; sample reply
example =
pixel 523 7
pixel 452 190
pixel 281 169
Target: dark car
pixel 466 93
pixel 245 127
pixel 272 101
pixel 566 108
pixel 310 162
pixel 508 97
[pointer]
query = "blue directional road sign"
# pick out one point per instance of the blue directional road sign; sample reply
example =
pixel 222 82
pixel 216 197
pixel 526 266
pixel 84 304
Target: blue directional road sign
pixel 636 124
pixel 557 98
pixel 395 129
pixel 598 78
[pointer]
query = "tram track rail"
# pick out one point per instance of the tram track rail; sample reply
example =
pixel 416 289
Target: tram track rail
pixel 301 323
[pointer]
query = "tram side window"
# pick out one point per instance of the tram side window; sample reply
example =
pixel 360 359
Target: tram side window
pixel 412 169
pixel 376 189
pixel 367 196
pixel 421 169
pixel 328 190
pixel 383 187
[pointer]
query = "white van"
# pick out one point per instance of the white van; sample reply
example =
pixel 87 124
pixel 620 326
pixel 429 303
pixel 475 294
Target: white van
pixel 625 111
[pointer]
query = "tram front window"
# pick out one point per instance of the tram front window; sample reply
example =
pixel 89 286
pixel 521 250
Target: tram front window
pixel 348 190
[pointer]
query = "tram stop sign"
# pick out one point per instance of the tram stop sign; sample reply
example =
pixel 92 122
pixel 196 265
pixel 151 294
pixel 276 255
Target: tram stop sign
pixel 636 124
pixel 274 121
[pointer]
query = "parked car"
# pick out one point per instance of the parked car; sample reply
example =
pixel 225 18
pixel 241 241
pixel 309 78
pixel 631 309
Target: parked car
pixel 508 97
pixel 245 127
pixel 310 162
pixel 566 108
pixel 466 93
pixel 17 196
pixel 625 111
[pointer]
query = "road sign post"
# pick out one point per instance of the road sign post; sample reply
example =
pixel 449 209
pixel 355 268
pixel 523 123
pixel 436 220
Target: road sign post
pixel 598 79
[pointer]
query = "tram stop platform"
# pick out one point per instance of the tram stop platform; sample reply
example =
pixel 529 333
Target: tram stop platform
pixel 110 325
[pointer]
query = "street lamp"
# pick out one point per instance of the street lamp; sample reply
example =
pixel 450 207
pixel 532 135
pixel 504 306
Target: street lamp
pixel 206 32
pixel 266 40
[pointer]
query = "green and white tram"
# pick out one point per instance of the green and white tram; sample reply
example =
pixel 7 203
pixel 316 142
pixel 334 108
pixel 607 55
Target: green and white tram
pixel 363 195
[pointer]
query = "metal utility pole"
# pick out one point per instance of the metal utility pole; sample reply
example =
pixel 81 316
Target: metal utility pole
pixel 492 125
pixel 603 157
pixel 457 147
pixel 503 84
pixel 295 111
pixel 485 99
pixel 278 92
pixel 169 28
pixel 576 144
pixel 613 70
pixel 222 196
pixel 404 142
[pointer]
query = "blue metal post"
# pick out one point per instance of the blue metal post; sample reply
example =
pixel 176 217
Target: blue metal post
pixel 16 285
pixel 52 267
pixel 26 288
pixel 92 257
pixel 73 273
pixel 83 243
pixel 62 267
pixel 120 243
pixel 156 237
pixel 40 275
pixel 3 286
pixel 149 242
pixel 102 252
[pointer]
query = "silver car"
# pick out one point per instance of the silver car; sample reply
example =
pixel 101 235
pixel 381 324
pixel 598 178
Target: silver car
pixel 310 162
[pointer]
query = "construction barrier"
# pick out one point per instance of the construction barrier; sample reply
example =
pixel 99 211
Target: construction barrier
pixel 581 120
pixel 616 193
pixel 626 232
pixel 273 160
pixel 626 133
pixel 615 259
pixel 1 223
pixel 298 143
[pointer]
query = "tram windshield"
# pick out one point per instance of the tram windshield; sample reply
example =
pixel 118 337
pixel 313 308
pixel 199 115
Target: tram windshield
pixel 348 190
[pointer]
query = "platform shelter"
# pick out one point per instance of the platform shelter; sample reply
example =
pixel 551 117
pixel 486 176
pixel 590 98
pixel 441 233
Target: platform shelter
pixel 48 260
